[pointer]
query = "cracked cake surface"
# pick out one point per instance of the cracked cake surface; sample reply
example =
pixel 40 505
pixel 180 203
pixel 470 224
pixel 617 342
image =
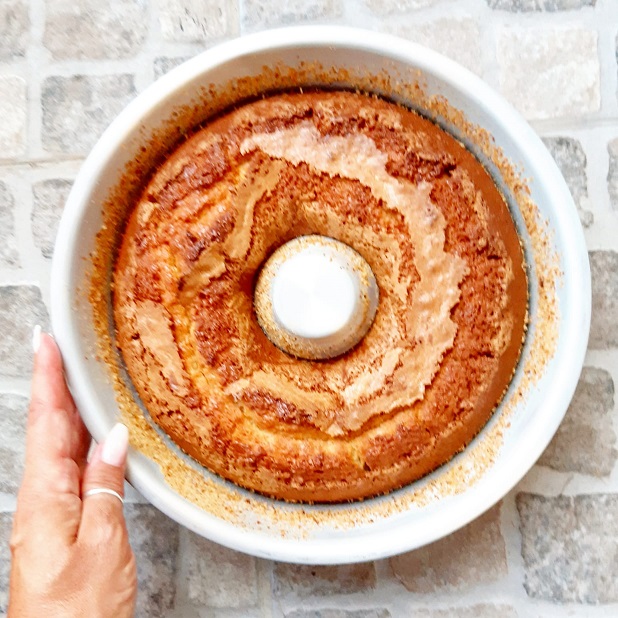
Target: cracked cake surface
pixel 431 224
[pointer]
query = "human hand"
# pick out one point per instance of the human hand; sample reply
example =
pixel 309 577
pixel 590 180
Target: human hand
pixel 70 552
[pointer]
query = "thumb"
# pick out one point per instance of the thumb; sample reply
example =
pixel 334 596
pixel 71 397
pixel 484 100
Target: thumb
pixel 104 472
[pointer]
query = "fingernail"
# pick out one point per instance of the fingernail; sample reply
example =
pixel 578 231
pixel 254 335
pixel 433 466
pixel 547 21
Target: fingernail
pixel 114 451
pixel 36 338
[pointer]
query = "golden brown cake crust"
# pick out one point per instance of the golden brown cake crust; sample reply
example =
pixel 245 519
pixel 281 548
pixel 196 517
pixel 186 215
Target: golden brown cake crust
pixel 434 229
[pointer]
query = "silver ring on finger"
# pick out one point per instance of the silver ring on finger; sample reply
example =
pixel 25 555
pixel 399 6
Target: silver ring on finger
pixel 103 490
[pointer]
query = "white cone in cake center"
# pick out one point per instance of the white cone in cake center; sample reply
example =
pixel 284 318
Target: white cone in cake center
pixel 316 297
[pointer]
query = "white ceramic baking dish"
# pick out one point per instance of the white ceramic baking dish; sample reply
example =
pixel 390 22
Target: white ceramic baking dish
pixel 542 387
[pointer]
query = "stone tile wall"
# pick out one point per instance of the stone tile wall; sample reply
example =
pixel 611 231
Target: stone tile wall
pixel 550 548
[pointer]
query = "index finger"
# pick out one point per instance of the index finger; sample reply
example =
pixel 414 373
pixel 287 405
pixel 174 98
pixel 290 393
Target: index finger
pixel 56 440
pixel 49 504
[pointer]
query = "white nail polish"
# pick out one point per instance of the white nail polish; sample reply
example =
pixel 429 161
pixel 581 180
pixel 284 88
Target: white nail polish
pixel 115 446
pixel 36 338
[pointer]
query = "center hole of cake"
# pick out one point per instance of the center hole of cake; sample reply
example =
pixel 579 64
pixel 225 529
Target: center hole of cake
pixel 316 297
